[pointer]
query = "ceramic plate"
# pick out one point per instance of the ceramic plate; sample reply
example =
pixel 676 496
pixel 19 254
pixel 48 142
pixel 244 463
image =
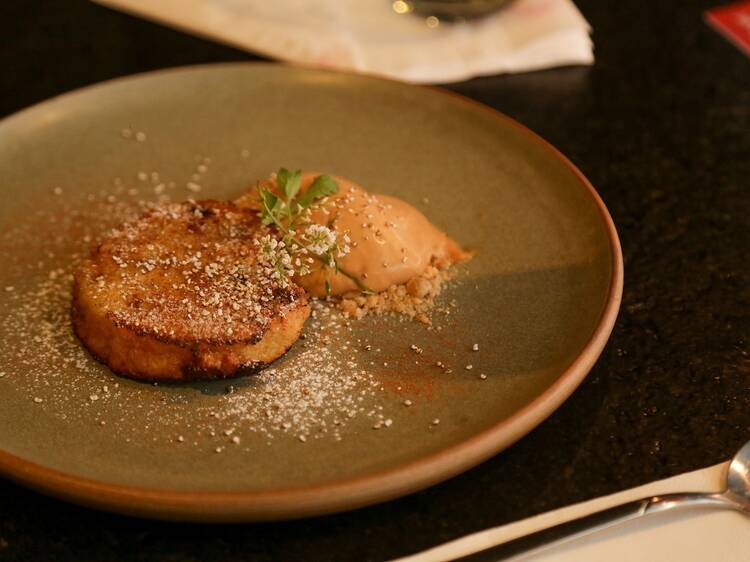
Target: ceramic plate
pixel 540 297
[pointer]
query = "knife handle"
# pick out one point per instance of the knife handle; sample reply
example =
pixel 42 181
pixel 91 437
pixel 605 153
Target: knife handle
pixel 594 522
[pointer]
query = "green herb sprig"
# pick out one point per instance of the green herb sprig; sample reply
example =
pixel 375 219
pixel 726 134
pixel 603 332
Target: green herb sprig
pixel 299 242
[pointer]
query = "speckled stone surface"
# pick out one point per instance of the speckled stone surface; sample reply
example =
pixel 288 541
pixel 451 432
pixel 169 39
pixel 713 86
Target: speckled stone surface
pixel 661 126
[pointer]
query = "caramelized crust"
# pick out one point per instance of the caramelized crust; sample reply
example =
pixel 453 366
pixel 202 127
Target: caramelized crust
pixel 179 294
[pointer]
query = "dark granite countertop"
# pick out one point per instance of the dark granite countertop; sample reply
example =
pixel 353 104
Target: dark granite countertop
pixel 660 125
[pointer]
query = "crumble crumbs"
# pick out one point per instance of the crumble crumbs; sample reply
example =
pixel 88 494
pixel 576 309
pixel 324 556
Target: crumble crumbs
pixel 414 299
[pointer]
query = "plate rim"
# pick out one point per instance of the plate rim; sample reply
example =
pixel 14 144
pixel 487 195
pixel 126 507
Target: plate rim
pixel 356 492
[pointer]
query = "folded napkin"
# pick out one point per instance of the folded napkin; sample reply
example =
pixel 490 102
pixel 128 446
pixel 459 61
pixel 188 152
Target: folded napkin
pixel 696 535
pixel 368 36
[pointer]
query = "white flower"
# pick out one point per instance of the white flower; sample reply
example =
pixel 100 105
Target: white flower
pixel 276 258
pixel 284 260
pixel 320 239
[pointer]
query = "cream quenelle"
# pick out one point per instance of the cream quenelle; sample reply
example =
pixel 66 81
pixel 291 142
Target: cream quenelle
pixel 390 241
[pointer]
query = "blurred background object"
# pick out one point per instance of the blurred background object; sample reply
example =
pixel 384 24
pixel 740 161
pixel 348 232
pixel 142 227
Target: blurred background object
pixel 401 40
pixel 733 22
pixel 450 10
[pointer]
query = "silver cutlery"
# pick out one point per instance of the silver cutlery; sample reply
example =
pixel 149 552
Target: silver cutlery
pixel 735 497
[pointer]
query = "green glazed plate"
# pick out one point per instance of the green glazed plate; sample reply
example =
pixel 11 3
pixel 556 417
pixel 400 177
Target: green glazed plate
pixel 352 415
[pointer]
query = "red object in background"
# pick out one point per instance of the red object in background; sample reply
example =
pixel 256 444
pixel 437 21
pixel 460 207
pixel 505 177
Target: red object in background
pixel 733 22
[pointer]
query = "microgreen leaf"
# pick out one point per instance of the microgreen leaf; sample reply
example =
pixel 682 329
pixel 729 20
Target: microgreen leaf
pixel 282 177
pixel 291 187
pixel 279 207
pixel 269 199
pixel 269 203
pixel 322 186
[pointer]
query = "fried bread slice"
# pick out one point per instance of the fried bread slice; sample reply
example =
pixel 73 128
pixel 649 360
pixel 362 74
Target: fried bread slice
pixel 180 294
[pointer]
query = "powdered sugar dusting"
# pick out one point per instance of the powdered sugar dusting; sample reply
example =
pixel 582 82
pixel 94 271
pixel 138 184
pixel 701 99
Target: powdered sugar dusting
pixel 313 394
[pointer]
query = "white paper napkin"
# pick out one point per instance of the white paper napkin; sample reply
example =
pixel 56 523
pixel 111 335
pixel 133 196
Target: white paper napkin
pixel 368 36
pixel 691 536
